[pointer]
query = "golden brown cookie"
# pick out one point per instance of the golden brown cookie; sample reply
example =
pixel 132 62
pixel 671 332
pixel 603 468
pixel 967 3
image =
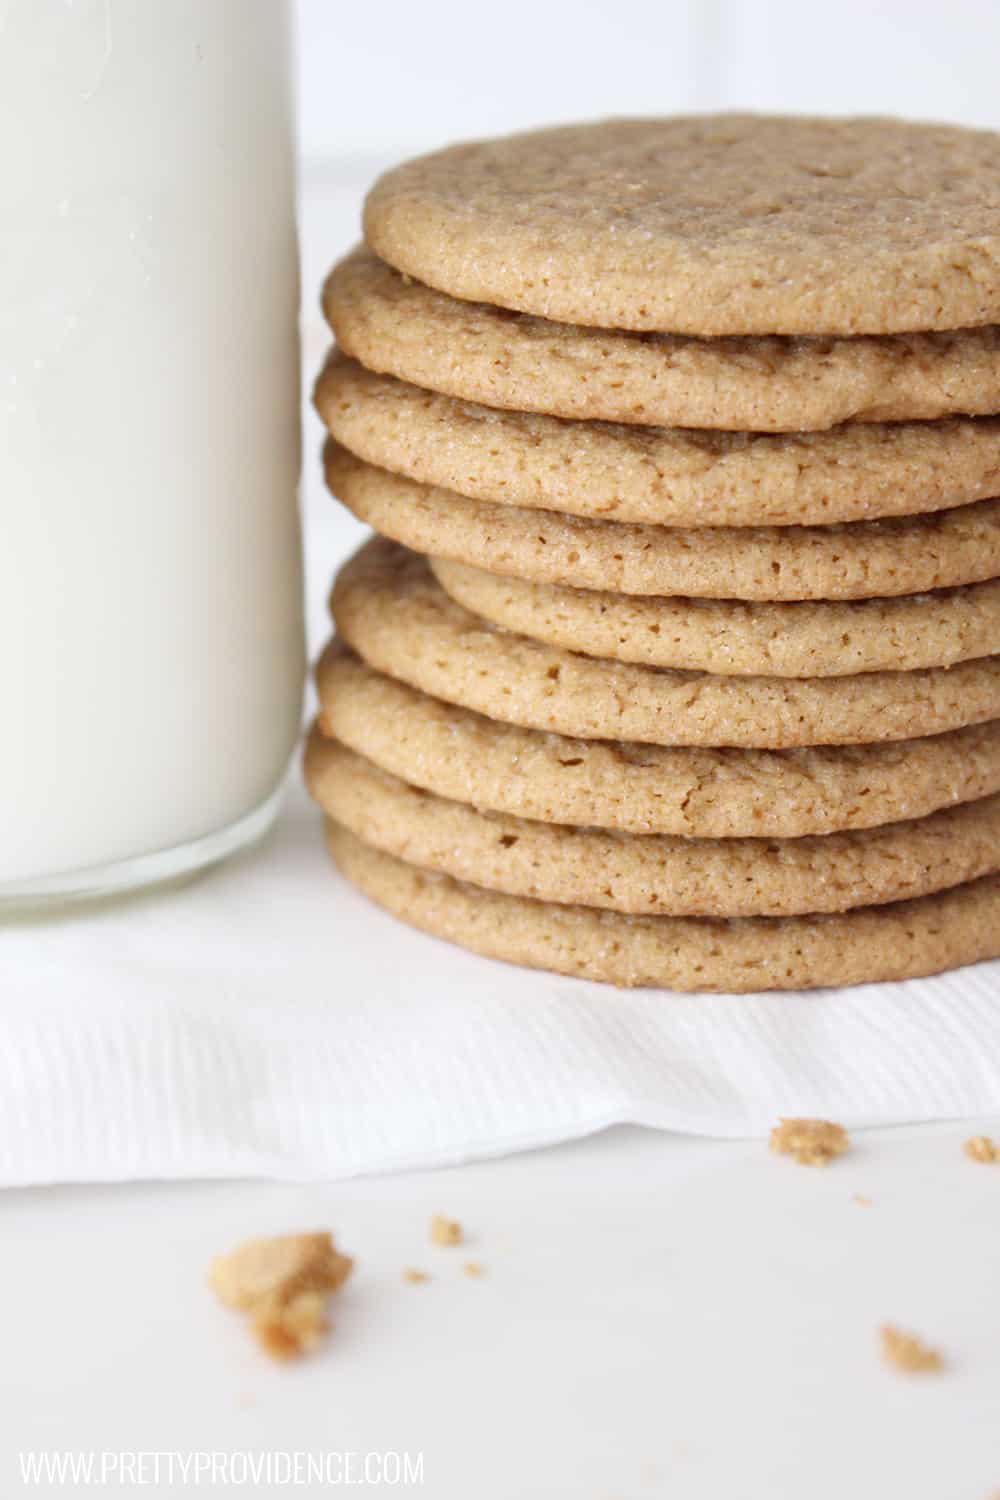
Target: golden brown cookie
pixel 731 637
pixel 647 788
pixel 484 354
pixel 715 224
pixel 391 610
pixel 651 874
pixel 666 476
pixel 863 559
pixel 737 955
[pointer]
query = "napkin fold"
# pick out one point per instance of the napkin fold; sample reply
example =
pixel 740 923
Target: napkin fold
pixel 266 1020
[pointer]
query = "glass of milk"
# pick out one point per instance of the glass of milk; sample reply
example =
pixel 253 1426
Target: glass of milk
pixel 151 642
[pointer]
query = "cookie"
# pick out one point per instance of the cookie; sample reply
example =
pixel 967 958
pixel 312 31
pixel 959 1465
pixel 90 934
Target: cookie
pixel 391 610
pixel 861 559
pixel 729 637
pixel 693 793
pixel 737 955
pixel 718 224
pixel 479 353
pixel 650 874
pixel 658 475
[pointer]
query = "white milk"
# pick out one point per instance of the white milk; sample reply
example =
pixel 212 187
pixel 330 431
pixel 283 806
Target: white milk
pixel 151 651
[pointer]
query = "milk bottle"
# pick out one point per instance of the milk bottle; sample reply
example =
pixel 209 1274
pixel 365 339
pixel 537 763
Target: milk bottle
pixel 151 650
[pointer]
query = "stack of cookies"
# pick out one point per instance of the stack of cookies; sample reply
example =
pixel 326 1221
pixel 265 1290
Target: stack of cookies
pixel 676 660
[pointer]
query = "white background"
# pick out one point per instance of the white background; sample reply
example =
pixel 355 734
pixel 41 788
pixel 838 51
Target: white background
pixel 660 1319
pixel 405 75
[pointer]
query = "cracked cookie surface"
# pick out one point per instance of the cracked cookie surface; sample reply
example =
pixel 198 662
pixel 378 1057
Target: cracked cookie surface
pixel 859 560
pixel 389 607
pixel 646 788
pixel 666 476
pixel 651 874
pixel 734 638
pixel 479 353
pixel 739 955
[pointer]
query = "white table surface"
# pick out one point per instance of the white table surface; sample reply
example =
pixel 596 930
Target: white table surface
pixel 660 1316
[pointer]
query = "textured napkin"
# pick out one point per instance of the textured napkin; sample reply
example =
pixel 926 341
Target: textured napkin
pixel 266 1020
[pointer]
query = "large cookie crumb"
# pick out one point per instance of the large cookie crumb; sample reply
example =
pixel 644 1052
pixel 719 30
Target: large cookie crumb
pixel 904 1351
pixel 445 1231
pixel 282 1284
pixel 813 1143
pixel 982 1149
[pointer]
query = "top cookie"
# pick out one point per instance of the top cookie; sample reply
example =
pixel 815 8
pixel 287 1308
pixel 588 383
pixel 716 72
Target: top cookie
pixel 719 224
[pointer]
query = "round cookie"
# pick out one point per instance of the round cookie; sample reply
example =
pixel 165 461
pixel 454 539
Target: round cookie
pixel 658 475
pixel 729 637
pixel 736 956
pixel 479 353
pixel 694 793
pixel 862 559
pixel 651 874
pixel 715 224
pixel 390 609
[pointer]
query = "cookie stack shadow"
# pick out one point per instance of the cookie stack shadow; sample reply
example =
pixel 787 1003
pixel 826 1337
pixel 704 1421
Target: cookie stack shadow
pixel 676 657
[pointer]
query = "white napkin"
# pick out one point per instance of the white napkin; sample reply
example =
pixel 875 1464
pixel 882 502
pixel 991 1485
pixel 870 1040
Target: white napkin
pixel 266 1020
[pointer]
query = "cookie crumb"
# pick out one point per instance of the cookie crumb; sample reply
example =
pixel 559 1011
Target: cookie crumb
pixel 285 1330
pixel 445 1231
pixel 473 1268
pixel 813 1143
pixel 282 1284
pixel 414 1277
pixel 981 1148
pixel 904 1351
